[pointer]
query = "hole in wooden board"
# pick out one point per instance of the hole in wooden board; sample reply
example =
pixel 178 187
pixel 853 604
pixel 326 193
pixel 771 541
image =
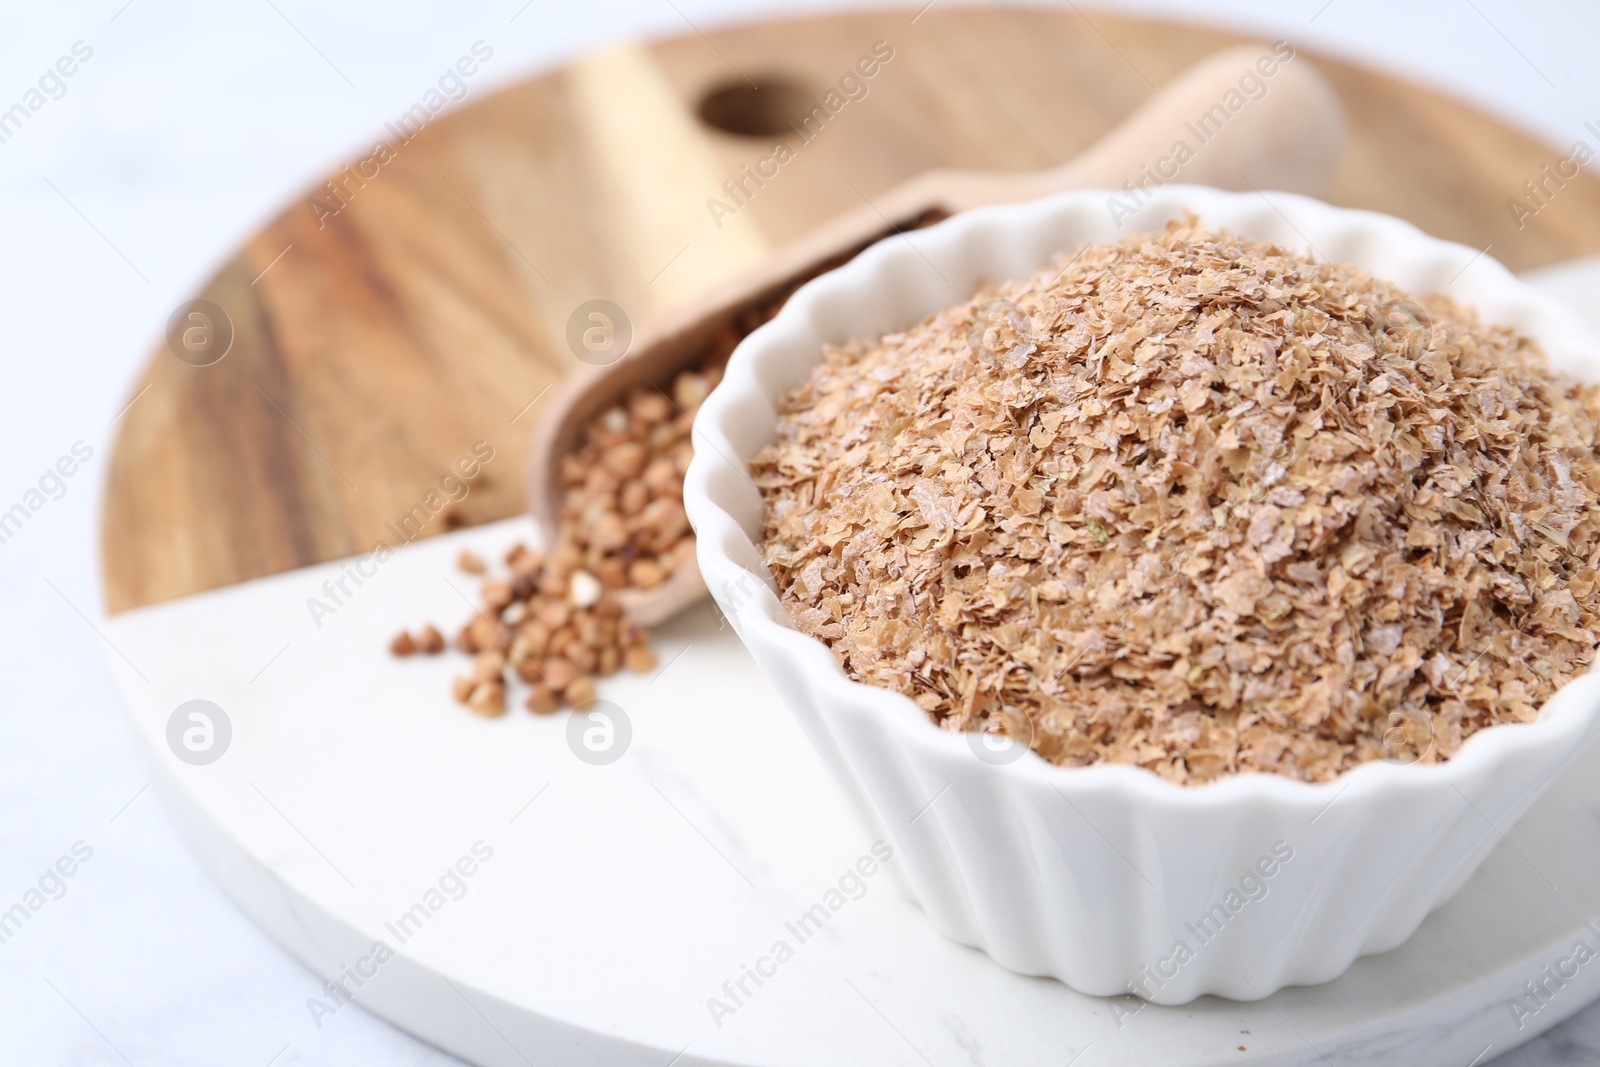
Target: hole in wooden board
pixel 765 109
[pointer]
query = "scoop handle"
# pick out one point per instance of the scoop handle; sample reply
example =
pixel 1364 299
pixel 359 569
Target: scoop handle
pixel 1251 116
pixel 1224 122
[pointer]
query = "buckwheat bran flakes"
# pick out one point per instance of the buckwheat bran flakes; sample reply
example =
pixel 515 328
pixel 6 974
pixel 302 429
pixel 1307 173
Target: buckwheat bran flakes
pixel 1196 503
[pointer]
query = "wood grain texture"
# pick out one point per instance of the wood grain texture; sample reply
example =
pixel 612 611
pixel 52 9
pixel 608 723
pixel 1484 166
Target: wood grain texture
pixel 432 308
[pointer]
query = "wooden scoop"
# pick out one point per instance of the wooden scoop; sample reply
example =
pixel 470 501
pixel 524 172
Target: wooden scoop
pixel 1288 138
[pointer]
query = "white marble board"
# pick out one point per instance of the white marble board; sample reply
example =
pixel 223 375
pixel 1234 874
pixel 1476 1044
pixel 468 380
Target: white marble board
pixel 619 899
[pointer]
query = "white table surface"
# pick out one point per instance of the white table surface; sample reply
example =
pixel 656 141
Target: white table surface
pixel 191 124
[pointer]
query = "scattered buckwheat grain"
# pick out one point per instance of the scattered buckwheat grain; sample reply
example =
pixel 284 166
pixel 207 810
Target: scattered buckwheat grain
pixel 555 622
pixel 550 629
pixel 430 640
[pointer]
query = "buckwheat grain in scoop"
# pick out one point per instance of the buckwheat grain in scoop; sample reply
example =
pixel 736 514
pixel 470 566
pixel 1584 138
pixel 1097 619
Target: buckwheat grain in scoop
pixel 1196 503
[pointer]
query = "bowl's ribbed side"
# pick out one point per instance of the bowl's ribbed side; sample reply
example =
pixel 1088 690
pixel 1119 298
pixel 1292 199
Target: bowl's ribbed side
pixel 1110 878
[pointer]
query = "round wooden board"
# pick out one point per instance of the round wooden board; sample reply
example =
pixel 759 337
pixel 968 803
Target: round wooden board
pixel 374 346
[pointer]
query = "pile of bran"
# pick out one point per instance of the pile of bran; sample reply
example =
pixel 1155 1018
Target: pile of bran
pixel 1196 503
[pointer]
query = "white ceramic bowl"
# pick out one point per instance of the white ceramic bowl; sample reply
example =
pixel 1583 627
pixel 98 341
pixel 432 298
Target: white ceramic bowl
pixel 1111 878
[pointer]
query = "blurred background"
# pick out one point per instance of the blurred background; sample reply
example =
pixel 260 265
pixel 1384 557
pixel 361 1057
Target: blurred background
pixel 189 125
